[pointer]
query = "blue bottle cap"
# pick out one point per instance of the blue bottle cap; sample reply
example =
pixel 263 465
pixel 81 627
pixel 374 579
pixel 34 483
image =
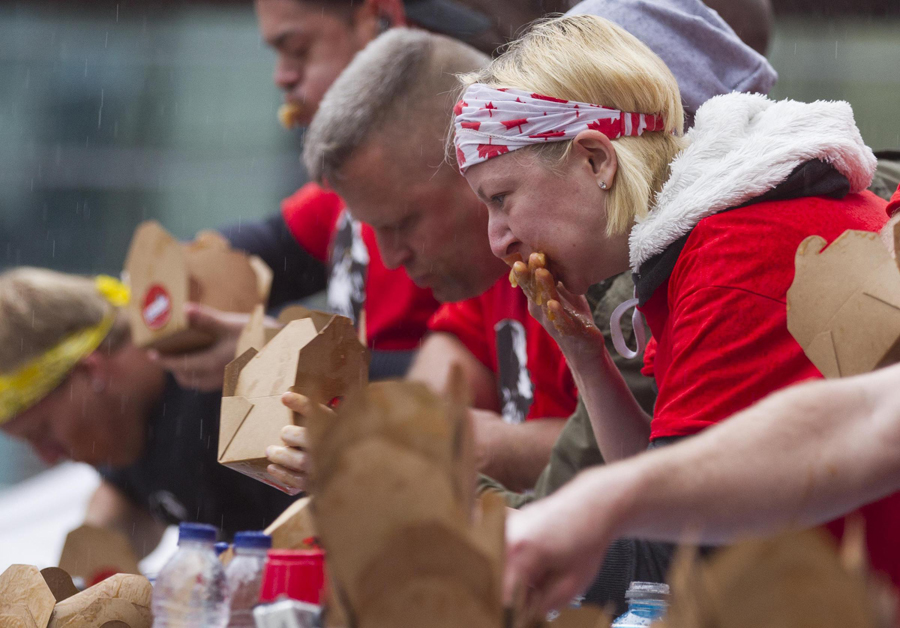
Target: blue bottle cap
pixel 254 540
pixel 196 532
pixel 220 548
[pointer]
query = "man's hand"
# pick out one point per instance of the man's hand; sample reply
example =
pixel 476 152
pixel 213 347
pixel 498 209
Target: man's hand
pixel 548 563
pixel 290 464
pixel 204 370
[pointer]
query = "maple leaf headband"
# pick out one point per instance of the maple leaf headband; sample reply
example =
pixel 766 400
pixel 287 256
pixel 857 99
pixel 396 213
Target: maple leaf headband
pixel 491 122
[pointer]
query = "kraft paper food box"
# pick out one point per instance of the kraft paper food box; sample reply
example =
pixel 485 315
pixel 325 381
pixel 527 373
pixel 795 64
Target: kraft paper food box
pixel 844 304
pixel 318 356
pixel 164 274
pixel 93 553
pixel 294 527
pixel 393 483
pixel 48 599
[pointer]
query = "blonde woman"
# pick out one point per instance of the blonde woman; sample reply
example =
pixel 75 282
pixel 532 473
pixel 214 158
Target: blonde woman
pixel 74 387
pixel 708 224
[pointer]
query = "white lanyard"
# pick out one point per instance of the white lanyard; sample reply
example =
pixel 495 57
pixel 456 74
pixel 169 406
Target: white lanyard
pixel 637 321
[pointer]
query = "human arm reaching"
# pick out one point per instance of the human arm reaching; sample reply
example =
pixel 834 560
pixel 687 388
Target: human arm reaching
pixel 799 458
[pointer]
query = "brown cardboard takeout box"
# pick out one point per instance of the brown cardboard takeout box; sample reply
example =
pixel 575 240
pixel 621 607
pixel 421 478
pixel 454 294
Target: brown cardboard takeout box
pixel 844 304
pixel 123 598
pixel 28 599
pixel 25 597
pixel 164 274
pixel 93 553
pixel 794 579
pixel 318 356
pixel 294 527
pixel 393 479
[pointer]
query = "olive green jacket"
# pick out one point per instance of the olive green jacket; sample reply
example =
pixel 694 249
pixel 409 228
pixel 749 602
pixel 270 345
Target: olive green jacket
pixel 887 175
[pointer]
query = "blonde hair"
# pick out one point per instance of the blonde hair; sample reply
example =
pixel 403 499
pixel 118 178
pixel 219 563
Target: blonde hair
pixel 589 59
pixel 39 308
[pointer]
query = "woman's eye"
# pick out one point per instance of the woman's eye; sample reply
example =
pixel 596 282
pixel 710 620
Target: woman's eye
pixel 497 199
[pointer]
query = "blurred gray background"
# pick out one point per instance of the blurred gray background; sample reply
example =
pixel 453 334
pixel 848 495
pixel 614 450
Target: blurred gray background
pixel 113 113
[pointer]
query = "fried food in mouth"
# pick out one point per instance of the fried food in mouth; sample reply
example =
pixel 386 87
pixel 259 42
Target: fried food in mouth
pixel 511 261
pixel 289 115
pixel 535 289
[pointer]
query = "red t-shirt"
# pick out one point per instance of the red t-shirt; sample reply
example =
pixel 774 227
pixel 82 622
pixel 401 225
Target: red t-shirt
pixel 534 381
pixel 894 205
pixel 720 325
pixel 394 309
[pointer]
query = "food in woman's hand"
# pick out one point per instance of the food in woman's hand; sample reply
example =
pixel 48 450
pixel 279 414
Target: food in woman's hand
pixel 538 278
pixel 511 262
pixel 538 283
pixel 289 115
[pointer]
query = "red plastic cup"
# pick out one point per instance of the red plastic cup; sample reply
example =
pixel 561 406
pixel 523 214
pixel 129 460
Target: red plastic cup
pixel 296 574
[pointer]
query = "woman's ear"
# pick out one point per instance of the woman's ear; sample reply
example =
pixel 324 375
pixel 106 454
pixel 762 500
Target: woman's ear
pixel 598 151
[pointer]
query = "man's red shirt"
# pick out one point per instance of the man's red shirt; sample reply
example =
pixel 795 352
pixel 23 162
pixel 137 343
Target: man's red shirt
pixel 533 378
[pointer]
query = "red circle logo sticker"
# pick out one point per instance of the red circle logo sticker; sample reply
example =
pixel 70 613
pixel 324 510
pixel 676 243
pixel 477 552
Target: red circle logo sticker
pixel 157 308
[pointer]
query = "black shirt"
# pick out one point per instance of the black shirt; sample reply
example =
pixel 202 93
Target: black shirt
pixel 178 477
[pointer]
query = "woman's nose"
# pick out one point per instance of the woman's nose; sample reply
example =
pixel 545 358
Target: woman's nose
pixel 501 238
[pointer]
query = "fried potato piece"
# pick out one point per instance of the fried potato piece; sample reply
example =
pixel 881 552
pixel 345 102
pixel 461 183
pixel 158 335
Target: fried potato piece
pixel 289 115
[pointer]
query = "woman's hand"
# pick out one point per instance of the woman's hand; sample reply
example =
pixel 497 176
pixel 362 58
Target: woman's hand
pixel 290 463
pixel 565 316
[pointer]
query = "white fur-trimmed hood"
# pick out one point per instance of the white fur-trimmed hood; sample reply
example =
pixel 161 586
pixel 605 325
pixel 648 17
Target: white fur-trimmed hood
pixel 741 146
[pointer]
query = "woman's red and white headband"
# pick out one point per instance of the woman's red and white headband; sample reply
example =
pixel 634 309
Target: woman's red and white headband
pixel 491 122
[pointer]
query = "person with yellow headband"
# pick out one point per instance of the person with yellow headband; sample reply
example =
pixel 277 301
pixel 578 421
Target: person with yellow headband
pixel 74 387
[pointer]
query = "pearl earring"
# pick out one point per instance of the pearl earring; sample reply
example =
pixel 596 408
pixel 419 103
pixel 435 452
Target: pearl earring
pixel 603 185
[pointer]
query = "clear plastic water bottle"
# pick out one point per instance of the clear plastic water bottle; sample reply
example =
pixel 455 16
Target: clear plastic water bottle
pixel 191 590
pixel 244 575
pixel 647 602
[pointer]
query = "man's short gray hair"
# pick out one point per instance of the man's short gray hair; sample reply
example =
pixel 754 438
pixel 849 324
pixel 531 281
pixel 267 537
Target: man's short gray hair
pixel 404 76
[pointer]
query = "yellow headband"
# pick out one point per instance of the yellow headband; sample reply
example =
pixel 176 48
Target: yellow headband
pixel 38 377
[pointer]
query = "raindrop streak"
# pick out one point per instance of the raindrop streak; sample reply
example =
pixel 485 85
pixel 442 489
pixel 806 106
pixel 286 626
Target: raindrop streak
pixel 100 113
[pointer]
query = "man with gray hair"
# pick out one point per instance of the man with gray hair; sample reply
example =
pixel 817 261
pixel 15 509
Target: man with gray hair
pixel 378 141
